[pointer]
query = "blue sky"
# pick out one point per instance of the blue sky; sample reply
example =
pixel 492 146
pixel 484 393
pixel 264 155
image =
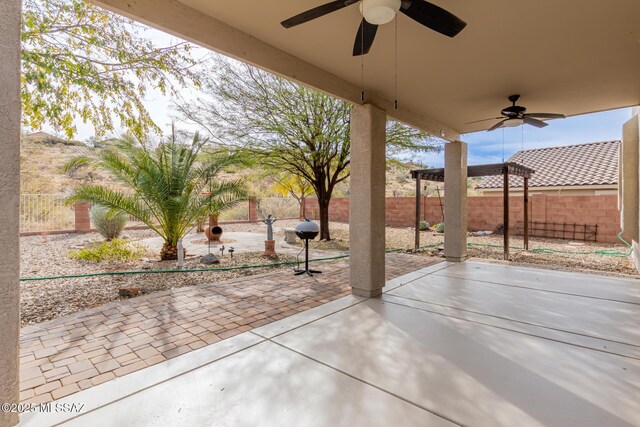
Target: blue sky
pixel 487 147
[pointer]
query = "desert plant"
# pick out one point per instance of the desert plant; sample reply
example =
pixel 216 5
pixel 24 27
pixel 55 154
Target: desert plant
pixel 440 228
pixel 200 223
pixel 110 251
pixel 167 186
pixel 108 222
pixel 424 225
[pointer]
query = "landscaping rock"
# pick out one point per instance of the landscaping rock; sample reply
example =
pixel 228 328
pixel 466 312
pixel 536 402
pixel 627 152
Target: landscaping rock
pixel 129 292
pixel 290 236
pixel 209 259
pixel 482 233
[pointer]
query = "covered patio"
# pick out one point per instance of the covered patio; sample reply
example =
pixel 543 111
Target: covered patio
pixel 451 344
pixel 468 344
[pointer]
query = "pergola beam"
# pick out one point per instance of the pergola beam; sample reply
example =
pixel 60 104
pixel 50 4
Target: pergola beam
pixel 504 169
pixel 437 174
pixel 190 24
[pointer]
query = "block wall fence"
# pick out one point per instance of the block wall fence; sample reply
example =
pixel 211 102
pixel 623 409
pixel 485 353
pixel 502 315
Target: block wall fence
pixel 485 212
pixel 82 220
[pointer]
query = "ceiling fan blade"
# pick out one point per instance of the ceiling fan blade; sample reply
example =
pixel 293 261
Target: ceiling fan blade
pixel 433 17
pixel 316 12
pixel 546 115
pixel 534 122
pixel 364 38
pixel 497 125
pixel 484 120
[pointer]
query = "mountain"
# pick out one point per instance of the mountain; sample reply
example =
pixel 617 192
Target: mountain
pixel 42 157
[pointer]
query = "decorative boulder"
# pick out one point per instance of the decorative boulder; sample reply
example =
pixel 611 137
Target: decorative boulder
pixel 290 236
pixel 129 292
pixel 209 259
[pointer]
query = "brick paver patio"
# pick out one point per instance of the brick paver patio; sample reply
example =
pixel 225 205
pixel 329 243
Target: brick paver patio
pixel 75 352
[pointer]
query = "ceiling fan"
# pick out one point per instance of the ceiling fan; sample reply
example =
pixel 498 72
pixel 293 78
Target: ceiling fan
pixel 379 12
pixel 515 115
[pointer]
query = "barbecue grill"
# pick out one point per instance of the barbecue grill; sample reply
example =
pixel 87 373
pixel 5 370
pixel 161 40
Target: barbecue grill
pixel 307 230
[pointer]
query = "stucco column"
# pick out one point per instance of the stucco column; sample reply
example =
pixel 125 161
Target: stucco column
pixel 10 206
pixel 455 201
pixel 629 186
pixel 367 198
pixel 629 162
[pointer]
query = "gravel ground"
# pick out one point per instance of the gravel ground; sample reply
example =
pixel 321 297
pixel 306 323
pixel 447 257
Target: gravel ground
pixel 403 238
pixel 47 256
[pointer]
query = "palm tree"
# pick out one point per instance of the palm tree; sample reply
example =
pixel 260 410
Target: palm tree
pixel 167 187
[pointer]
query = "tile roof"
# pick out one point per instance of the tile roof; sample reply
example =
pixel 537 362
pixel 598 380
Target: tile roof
pixel 594 163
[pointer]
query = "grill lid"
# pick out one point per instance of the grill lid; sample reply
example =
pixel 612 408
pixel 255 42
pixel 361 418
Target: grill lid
pixel 307 229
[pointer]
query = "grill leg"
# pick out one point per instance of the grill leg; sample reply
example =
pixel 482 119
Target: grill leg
pixel 306 270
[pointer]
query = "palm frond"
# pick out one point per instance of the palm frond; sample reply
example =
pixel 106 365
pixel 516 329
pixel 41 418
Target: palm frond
pixel 165 182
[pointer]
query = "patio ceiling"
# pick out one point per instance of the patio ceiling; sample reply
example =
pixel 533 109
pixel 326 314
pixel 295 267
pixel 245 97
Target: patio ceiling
pixel 567 57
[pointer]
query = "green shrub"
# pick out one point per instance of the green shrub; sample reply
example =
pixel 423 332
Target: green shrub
pixel 108 222
pixel 110 251
pixel 424 225
pixel 440 228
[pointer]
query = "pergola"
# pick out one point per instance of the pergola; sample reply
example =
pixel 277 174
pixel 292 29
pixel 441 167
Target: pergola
pixel 504 169
pixel 444 87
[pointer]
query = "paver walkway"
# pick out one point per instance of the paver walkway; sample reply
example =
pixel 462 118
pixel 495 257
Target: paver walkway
pixel 75 352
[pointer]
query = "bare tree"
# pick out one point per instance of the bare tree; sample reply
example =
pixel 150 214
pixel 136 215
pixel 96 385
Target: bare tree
pixel 286 127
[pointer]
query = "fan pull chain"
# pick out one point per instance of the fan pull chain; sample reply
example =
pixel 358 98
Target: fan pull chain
pixel 395 82
pixel 362 63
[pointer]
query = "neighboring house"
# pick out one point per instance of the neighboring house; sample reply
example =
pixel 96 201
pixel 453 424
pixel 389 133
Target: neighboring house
pixel 571 170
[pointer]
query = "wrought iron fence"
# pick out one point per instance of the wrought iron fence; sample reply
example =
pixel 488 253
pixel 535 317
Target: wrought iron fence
pixel 48 212
pixel 279 207
pixel 45 212
pixel 240 212
pixel 132 221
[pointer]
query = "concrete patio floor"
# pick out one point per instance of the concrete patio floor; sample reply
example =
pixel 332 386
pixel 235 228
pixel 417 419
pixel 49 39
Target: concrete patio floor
pixel 452 344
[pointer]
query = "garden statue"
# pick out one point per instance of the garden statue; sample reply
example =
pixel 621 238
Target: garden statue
pixel 269 220
pixel 269 244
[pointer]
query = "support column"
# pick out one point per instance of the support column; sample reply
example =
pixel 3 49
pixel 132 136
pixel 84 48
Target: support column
pixel 629 187
pixel 455 201
pixel 630 182
pixel 367 199
pixel 505 213
pixel 526 214
pixel 10 206
pixel 418 204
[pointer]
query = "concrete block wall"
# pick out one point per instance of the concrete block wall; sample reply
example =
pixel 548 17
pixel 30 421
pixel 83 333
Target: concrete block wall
pixel 253 209
pixel 82 217
pixel 485 212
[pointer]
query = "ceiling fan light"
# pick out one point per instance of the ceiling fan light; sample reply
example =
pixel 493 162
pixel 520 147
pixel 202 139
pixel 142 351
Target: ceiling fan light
pixel 513 123
pixel 379 12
